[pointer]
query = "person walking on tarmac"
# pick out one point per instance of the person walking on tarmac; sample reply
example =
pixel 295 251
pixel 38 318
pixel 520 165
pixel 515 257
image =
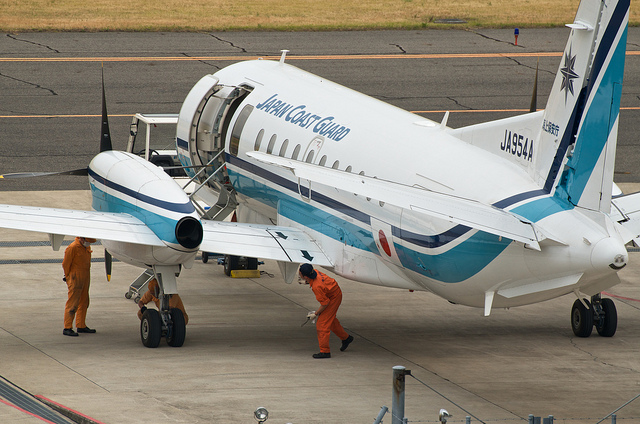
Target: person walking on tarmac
pixel 153 293
pixel 329 295
pixel 76 266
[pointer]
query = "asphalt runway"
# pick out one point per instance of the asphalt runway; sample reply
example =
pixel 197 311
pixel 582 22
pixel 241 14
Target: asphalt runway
pixel 50 83
pixel 245 347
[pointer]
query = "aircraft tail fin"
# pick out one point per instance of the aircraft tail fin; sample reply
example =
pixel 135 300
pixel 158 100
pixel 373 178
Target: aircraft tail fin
pixel 576 149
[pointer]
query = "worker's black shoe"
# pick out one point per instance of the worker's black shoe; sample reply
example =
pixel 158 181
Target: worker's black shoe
pixel 322 355
pixel 69 332
pixel 86 330
pixel 345 343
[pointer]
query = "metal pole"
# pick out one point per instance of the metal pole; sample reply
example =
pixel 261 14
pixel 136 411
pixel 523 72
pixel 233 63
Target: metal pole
pixel 613 418
pixel 397 401
pixel 383 411
pixel 467 420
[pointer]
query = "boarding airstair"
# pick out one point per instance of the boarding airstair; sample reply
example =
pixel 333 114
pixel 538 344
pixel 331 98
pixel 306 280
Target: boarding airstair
pixel 208 186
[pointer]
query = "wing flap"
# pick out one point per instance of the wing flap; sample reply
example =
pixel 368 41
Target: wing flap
pixel 279 243
pixel 453 209
pixel 78 223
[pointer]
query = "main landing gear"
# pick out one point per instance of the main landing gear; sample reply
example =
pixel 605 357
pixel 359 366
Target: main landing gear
pixel 600 313
pixel 232 263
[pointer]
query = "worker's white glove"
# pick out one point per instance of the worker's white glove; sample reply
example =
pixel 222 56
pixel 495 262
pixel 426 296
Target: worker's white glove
pixel 312 315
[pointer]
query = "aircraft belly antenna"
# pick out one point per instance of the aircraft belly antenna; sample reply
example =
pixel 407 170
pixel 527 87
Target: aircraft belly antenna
pixel 284 55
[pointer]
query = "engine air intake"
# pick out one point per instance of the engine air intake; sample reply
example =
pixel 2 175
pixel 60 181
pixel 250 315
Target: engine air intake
pixel 189 232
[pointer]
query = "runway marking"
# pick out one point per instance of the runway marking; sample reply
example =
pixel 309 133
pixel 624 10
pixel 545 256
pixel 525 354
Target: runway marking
pixel 412 111
pixel 290 57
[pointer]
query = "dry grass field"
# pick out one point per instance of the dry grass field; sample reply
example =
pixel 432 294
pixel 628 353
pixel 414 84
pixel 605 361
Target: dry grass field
pixel 287 15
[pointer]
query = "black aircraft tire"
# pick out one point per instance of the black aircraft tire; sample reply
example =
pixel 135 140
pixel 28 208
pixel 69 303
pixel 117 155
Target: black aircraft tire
pixel 175 337
pixel 581 319
pixel 151 328
pixel 230 264
pixel 252 263
pixel 205 257
pixel 607 327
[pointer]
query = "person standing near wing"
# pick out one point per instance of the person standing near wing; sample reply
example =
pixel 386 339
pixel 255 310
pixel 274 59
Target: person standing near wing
pixel 329 295
pixel 77 274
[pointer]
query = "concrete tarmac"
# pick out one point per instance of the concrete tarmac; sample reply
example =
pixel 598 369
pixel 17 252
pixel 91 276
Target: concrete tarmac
pixel 245 348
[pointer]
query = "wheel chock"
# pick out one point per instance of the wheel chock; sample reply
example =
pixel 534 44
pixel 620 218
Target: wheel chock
pixel 245 273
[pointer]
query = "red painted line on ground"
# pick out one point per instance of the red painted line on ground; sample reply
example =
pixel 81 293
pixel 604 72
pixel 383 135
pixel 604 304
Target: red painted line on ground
pixel 69 409
pixel 25 411
pixel 620 297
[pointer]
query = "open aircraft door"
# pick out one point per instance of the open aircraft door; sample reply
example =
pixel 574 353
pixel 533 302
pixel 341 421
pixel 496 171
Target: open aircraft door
pixel 203 124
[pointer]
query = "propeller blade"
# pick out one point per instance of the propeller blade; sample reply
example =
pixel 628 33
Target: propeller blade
pixel 108 260
pixel 105 137
pixel 83 172
pixel 534 97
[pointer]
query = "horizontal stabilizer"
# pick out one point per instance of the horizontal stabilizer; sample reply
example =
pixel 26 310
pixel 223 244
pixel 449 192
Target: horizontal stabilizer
pixel 449 208
pixel 262 241
pixel 99 225
pixel 626 211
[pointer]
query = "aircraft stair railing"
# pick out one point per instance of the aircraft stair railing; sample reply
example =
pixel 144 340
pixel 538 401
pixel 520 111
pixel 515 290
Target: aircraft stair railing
pixel 139 285
pixel 226 200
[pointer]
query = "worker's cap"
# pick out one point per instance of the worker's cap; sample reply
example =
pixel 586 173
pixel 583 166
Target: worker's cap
pixel 307 271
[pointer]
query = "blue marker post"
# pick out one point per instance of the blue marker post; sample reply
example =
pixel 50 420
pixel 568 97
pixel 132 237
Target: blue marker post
pixel 515 33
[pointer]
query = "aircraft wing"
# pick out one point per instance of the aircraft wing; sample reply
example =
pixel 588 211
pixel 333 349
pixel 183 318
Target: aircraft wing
pixel 450 208
pixel 100 225
pixel 285 244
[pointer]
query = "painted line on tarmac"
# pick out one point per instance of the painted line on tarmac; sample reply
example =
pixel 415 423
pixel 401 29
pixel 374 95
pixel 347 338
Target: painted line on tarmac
pixel 412 111
pixel 290 57
pixel 620 297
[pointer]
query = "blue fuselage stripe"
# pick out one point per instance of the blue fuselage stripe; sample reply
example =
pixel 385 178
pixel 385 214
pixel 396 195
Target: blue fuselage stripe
pixel 457 264
pixel 185 208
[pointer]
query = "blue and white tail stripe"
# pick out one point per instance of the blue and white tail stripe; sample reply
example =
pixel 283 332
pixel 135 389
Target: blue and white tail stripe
pixel 581 171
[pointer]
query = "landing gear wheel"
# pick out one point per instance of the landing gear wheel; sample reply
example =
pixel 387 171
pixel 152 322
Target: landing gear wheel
pixel 608 324
pixel 178 330
pixel 252 263
pixel 151 328
pixel 205 257
pixel 230 264
pixel 581 319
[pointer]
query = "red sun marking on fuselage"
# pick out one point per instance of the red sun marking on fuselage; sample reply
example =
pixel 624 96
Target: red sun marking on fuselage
pixel 384 243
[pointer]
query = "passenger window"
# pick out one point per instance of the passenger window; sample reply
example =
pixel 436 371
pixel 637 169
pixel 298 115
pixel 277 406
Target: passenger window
pixel 336 164
pixel 272 142
pixel 296 152
pixel 256 146
pixel 283 148
pixel 234 141
pixel 323 160
pixel 310 156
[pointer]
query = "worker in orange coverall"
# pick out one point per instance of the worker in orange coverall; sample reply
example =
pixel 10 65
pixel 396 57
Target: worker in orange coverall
pixel 329 295
pixel 153 293
pixel 77 273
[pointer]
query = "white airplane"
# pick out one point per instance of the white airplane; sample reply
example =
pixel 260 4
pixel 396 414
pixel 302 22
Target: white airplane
pixel 501 214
